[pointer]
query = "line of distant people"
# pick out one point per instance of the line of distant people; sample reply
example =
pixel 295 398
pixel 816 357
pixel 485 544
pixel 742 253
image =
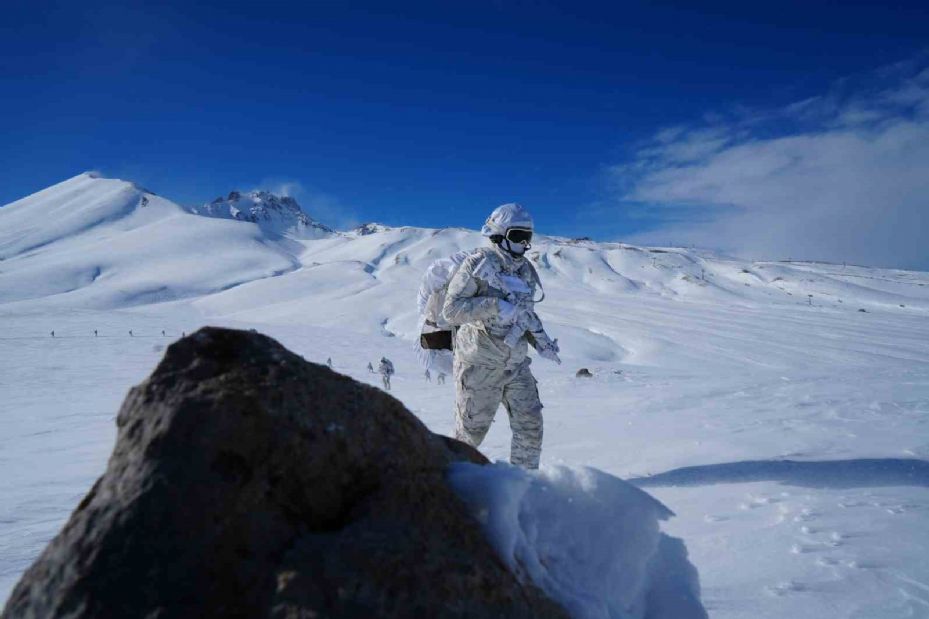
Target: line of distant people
pixel 131 334
pixel 386 369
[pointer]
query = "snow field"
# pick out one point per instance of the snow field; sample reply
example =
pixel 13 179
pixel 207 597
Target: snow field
pixel 698 360
pixel 774 550
pixel 60 397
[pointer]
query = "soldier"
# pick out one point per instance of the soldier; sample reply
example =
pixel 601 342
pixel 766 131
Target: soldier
pixel 490 301
pixel 386 370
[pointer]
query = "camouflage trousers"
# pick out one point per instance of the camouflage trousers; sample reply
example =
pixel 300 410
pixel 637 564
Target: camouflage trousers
pixel 480 390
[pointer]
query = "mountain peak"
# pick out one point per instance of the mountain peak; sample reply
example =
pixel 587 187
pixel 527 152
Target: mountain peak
pixel 370 228
pixel 277 214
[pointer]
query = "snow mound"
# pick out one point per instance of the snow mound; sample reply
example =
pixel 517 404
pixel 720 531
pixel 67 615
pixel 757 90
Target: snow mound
pixel 588 539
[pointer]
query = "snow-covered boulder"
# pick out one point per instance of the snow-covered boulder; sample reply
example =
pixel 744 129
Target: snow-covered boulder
pixel 247 482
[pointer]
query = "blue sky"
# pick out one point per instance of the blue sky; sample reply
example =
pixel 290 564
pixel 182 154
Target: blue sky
pixel 432 113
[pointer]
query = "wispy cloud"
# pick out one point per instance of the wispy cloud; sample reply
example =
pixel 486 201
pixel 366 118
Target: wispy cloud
pixel 842 176
pixel 320 206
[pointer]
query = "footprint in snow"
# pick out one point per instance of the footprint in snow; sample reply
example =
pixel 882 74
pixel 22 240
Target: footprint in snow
pixel 754 502
pixel 849 504
pixel 808 530
pixel 786 588
pixel 860 564
pixel 802 549
pixel 806 515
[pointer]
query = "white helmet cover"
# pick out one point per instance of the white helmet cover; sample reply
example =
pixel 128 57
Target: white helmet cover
pixel 507 216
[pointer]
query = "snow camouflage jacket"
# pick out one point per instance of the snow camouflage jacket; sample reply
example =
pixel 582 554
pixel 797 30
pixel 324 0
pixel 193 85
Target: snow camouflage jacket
pixel 385 367
pixel 472 303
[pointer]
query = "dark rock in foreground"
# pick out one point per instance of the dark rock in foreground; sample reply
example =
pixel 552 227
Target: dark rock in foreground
pixel 246 482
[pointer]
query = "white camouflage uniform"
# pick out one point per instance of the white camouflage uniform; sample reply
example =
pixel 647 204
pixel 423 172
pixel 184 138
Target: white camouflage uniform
pixel 487 371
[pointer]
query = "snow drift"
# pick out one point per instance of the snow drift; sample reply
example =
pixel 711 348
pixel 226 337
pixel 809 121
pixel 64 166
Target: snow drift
pixel 588 539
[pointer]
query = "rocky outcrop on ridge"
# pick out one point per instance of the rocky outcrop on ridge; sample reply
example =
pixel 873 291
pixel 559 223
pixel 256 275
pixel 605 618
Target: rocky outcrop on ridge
pixel 273 213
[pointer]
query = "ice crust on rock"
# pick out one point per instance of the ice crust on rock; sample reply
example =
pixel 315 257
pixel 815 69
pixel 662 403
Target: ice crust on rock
pixel 588 539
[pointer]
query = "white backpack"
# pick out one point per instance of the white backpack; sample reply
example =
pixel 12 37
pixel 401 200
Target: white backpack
pixel 433 346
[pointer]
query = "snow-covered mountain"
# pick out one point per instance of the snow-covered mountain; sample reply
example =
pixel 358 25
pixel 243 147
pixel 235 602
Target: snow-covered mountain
pixel 698 360
pixel 103 243
pixel 272 213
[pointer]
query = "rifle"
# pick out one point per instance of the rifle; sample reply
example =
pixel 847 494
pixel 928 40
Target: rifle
pixel 520 294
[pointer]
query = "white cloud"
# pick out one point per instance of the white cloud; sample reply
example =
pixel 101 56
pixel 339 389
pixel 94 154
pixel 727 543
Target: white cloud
pixel 839 177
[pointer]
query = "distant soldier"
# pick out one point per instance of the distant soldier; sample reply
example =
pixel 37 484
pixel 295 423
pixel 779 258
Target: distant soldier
pixel 440 379
pixel 162 332
pixel 130 333
pixel 428 377
pixel 95 333
pixel 370 368
pixel 329 362
pixel 386 370
pixel 53 334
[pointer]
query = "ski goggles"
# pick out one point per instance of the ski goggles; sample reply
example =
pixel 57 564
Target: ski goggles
pixel 519 235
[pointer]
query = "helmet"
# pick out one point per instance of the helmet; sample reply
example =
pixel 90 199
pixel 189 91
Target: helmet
pixel 510 226
pixel 504 217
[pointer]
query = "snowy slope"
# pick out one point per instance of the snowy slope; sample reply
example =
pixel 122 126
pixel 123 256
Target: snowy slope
pixel 105 243
pixel 100 243
pixel 698 359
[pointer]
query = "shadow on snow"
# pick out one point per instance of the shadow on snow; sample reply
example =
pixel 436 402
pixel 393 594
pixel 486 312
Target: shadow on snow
pixel 866 472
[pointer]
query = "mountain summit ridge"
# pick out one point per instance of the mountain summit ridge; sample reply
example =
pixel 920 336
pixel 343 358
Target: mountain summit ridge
pixel 273 213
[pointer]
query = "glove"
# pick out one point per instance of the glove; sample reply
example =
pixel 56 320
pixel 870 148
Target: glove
pixel 551 355
pixel 549 349
pixel 507 311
